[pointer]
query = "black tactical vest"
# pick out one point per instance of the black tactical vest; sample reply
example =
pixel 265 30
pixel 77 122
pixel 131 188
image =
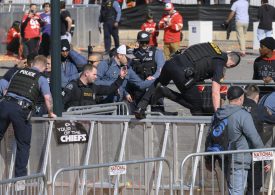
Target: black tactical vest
pixel 201 56
pixel 145 65
pixel 84 95
pixel 107 12
pixel 25 83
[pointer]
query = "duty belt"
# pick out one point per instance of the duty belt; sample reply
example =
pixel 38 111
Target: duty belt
pixel 23 103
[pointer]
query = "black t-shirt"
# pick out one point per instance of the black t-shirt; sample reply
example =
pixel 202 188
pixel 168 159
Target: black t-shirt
pixel 219 67
pixel 64 24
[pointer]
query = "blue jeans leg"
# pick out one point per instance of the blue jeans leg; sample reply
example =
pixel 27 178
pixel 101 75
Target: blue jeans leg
pixel 236 181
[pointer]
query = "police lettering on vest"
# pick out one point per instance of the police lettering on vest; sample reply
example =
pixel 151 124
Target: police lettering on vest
pixel 201 56
pixel 146 65
pixel 25 83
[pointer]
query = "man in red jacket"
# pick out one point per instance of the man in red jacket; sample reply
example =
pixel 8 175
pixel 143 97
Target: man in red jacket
pixel 172 23
pixel 151 27
pixel 30 31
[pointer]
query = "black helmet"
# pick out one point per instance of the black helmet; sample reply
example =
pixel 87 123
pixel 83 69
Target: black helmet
pixel 143 36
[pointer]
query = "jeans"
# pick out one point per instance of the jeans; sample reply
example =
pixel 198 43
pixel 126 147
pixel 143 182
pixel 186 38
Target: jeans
pixel 261 33
pixel 236 181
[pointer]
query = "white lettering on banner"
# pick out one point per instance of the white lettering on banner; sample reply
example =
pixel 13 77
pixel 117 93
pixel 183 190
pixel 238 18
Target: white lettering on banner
pixel 25 72
pixel 73 138
pixel 260 156
pixel 117 170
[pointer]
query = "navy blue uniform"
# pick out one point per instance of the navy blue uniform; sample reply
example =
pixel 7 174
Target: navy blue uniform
pixel 109 14
pixel 16 107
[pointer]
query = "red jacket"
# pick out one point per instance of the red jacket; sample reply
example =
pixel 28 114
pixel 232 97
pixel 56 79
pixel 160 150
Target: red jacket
pixel 12 33
pixel 152 28
pixel 32 29
pixel 172 25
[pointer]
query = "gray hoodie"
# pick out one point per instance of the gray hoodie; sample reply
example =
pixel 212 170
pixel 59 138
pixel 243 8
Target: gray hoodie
pixel 242 134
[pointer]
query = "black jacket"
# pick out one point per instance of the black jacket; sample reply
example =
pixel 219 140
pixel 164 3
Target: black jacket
pixel 266 15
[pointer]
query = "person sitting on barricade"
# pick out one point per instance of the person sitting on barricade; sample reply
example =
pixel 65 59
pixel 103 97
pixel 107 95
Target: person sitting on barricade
pixel 264 65
pixel 83 91
pixel 197 63
pixel 71 63
pixel 232 128
pixel 260 116
pixel 108 71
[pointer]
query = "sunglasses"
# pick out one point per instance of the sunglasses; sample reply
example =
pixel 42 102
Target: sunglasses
pixel 92 61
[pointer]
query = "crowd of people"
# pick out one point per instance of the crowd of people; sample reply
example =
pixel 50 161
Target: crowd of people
pixel 139 76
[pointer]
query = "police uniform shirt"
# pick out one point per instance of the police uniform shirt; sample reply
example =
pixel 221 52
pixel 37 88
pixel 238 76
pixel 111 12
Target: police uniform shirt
pixel 43 87
pixel 72 91
pixel 219 68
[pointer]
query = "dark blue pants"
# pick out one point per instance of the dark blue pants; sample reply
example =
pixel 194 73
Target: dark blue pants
pixel 110 30
pixel 11 112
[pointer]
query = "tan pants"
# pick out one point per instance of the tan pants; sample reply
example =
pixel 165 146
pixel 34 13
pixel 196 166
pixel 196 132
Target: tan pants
pixel 170 48
pixel 241 29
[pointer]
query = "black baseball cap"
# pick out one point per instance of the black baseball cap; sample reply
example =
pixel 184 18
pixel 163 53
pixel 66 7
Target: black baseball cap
pixel 65 45
pixel 234 92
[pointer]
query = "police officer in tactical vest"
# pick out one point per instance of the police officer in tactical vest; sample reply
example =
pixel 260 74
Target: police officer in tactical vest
pixel 147 64
pixel 16 107
pixel 83 91
pixel 195 64
pixel 110 14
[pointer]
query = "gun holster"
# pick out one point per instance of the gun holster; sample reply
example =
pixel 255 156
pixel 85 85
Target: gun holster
pixel 189 75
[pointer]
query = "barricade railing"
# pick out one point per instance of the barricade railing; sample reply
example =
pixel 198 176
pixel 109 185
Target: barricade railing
pixel 215 181
pixel 130 184
pixel 27 185
pixel 119 108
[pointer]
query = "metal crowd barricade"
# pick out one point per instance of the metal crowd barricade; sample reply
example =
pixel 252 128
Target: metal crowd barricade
pixel 89 184
pixel 119 108
pixel 212 182
pixel 27 185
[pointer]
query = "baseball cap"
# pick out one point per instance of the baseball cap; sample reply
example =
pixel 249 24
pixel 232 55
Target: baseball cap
pixel 65 45
pixel 123 50
pixel 234 92
pixel 268 42
pixel 169 6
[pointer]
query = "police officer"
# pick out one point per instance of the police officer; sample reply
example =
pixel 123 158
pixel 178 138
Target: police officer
pixel 110 14
pixel 196 63
pixel 147 64
pixel 16 107
pixel 83 91
pixel 40 107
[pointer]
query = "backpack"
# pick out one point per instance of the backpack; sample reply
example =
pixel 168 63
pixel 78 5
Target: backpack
pixel 217 138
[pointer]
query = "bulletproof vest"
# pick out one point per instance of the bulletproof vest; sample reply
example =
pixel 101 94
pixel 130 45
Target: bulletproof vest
pixel 25 83
pixel 145 64
pixel 107 12
pixel 201 56
pixel 84 96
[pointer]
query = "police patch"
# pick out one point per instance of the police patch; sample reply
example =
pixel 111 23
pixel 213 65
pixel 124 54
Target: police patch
pixel 70 86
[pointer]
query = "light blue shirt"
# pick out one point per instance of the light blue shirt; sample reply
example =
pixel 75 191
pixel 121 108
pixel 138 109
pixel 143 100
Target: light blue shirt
pixel 240 8
pixel 269 102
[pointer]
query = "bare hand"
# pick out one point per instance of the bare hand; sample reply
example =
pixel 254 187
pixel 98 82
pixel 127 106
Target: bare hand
pixel 123 72
pixel 116 24
pixel 267 79
pixel 150 78
pixel 52 115
pixel 129 98
pixel 267 168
